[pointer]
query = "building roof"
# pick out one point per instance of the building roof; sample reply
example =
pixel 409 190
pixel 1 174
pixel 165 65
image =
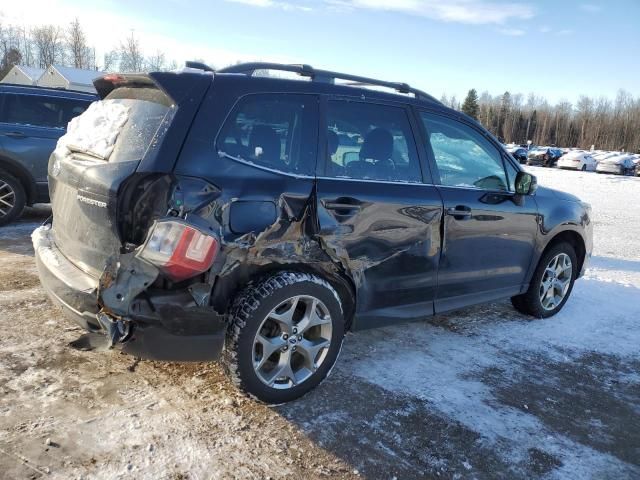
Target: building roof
pixel 77 75
pixel 32 72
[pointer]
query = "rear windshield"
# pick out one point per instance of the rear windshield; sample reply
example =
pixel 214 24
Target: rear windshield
pixel 147 109
pixel 119 128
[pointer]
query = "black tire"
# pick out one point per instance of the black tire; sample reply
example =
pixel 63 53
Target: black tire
pixel 245 317
pixel 584 167
pixel 529 302
pixel 11 186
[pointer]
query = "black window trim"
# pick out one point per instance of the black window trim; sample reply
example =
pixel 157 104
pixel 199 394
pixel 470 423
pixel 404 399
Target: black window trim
pixel 322 163
pixel 3 98
pixel 431 156
pixel 230 110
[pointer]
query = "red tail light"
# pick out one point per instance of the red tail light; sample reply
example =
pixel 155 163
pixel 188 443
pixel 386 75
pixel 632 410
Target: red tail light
pixel 180 251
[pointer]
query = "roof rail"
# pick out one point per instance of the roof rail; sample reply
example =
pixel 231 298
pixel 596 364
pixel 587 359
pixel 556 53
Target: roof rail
pixel 198 65
pixel 325 76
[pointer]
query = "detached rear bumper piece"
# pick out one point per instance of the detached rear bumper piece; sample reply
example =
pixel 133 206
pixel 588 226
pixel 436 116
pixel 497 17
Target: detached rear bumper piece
pixel 164 325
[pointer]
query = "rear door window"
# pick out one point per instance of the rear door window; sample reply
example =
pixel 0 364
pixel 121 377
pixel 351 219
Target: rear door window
pixel 370 141
pixel 40 110
pixel 275 131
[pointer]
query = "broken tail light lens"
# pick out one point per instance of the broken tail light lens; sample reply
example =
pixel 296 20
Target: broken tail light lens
pixel 179 250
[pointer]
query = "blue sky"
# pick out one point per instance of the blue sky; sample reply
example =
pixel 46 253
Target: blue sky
pixel 556 49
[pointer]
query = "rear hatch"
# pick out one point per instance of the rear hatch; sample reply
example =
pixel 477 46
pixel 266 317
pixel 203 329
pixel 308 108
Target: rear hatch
pixel 129 133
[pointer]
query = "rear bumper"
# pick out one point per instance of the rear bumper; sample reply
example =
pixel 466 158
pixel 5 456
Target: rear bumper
pixel 167 325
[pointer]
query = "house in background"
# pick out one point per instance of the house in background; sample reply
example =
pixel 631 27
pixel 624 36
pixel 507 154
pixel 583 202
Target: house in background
pixel 22 75
pixel 69 78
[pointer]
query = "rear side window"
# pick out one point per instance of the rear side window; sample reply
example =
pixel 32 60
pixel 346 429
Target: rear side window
pixel 41 111
pixel 273 131
pixel 370 142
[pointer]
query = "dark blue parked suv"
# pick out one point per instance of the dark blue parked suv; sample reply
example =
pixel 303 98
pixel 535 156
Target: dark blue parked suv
pixel 201 216
pixel 31 121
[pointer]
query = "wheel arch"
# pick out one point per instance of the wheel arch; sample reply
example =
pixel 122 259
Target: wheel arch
pixel 574 239
pixel 22 174
pixel 230 285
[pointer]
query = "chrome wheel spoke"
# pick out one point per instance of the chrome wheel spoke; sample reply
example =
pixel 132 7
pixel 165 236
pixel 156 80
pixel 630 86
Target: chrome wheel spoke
pixel 283 314
pixel 310 350
pixel 269 347
pixel 282 371
pixel 311 318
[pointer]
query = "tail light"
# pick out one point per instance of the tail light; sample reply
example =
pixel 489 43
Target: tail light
pixel 179 250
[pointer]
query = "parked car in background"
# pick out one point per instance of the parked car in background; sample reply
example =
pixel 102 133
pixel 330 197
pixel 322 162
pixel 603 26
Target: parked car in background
pixel 519 153
pixel 577 160
pixel 543 156
pixel 619 165
pixel 260 219
pixel 31 121
pixel 604 155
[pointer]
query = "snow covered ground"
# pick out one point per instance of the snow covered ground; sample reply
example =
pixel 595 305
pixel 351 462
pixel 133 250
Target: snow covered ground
pixel 480 393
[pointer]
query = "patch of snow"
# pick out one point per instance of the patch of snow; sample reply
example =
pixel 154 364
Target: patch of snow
pixel 95 131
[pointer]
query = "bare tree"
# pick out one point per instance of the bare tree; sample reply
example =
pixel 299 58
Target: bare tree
pixel 79 51
pixel 131 57
pixel 156 62
pixel 48 44
pixel 109 61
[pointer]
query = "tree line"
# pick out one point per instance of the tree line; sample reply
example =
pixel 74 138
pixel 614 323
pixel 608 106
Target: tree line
pixel 601 122
pixel 67 45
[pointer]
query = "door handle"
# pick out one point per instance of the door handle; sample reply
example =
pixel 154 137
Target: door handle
pixel 15 134
pixel 459 212
pixel 343 205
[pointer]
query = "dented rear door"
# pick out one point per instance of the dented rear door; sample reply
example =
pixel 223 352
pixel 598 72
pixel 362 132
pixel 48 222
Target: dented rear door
pixel 375 212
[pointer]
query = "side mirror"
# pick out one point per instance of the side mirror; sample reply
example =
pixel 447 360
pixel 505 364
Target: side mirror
pixel 526 184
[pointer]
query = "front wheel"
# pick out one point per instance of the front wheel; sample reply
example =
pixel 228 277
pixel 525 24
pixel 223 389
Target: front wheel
pixel 551 284
pixel 12 198
pixel 284 336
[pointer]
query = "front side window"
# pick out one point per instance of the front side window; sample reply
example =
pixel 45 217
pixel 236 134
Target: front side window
pixel 370 142
pixel 273 131
pixel 463 157
pixel 40 110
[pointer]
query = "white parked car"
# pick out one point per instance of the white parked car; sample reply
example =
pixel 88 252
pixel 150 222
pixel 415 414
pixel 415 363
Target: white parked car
pixel 618 165
pixel 578 160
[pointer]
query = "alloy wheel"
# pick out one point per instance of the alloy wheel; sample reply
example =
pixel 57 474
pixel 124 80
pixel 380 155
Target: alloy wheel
pixel 292 342
pixel 7 198
pixel 556 281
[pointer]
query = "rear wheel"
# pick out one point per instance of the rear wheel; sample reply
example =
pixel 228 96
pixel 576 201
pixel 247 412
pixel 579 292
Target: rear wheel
pixel 12 198
pixel 551 284
pixel 284 336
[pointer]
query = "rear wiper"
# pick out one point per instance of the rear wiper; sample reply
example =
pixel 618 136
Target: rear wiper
pixel 223 154
pixel 84 151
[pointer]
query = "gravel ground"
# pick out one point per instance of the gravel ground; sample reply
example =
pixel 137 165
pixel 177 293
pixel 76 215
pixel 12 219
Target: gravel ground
pixel 480 393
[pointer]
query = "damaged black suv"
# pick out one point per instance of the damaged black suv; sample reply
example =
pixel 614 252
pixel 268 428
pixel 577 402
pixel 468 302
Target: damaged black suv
pixel 201 215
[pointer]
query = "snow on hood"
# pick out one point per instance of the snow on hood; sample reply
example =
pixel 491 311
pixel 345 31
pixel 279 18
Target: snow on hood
pixel 95 131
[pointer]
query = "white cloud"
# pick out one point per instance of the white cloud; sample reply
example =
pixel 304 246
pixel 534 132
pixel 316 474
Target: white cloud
pixel 273 4
pixel 512 32
pixel 566 31
pixel 460 11
pixel 545 29
pixel 591 8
